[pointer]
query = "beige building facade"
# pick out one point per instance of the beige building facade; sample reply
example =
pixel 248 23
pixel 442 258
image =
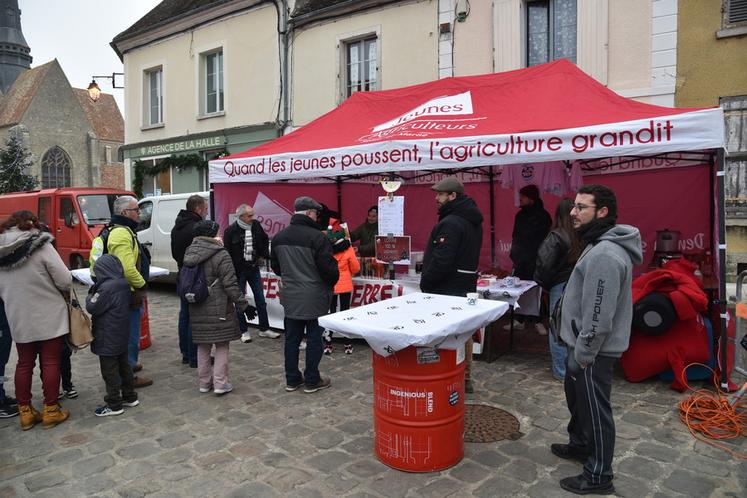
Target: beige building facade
pixel 199 82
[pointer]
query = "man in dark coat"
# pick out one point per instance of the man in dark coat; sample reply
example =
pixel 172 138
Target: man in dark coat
pixel 249 247
pixel 531 225
pixel 302 257
pixel 181 238
pixel 108 302
pixel 453 251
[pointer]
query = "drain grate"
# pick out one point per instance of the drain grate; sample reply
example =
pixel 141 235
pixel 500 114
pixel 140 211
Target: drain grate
pixel 485 424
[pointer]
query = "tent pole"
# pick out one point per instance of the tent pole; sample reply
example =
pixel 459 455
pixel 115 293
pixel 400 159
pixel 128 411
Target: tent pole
pixel 491 175
pixel 722 301
pixel 338 182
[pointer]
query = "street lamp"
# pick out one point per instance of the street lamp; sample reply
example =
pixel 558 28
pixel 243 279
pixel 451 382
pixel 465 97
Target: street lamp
pixel 94 92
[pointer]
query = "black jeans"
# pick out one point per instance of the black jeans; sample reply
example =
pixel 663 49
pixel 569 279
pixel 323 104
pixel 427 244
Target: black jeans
pixel 591 428
pixel 344 305
pixel 118 377
pixel 66 369
pixel 293 334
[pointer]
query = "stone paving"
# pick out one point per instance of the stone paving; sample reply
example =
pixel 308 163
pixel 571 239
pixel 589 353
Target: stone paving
pixel 261 441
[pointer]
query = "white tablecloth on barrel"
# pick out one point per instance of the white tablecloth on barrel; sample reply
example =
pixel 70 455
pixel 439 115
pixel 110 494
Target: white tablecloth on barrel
pixel 84 274
pixel 418 319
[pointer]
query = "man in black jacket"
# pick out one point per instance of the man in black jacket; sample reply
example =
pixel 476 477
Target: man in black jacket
pixel 249 247
pixel 181 238
pixel 302 257
pixel 531 225
pixel 453 251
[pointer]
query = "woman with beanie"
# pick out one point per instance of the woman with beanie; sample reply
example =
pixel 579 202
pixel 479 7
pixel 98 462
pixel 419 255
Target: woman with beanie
pixel 348 265
pixel 214 321
pixel 555 260
pixel 33 279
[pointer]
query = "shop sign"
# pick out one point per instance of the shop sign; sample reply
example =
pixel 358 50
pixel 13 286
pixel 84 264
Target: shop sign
pixel 181 146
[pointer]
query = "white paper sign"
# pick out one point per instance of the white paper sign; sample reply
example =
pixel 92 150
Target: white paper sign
pixel 392 215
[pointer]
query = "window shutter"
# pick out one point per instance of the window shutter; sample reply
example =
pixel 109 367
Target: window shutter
pixel 737 11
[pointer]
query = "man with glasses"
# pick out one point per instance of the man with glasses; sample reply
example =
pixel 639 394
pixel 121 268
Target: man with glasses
pixel 595 317
pixel 123 244
pixel 249 247
pixel 181 237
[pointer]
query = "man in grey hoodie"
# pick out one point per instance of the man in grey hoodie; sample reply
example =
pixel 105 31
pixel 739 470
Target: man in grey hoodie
pixel 595 318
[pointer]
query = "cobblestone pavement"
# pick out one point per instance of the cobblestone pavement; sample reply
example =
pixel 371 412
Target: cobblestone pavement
pixel 261 441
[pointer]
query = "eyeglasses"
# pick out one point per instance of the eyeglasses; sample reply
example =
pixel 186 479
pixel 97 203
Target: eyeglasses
pixel 132 209
pixel 581 207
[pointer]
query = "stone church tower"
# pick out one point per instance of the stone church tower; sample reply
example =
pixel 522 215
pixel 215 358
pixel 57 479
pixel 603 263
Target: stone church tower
pixel 15 54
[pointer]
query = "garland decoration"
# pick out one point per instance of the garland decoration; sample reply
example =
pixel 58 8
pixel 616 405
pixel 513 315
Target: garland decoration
pixel 147 168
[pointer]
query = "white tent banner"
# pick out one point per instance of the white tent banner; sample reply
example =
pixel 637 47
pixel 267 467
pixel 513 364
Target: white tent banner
pixel 697 130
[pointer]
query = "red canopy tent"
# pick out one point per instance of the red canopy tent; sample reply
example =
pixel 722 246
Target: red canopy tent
pixel 664 163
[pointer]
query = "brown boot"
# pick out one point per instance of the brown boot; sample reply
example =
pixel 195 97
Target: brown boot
pixel 138 382
pixel 53 415
pixel 29 416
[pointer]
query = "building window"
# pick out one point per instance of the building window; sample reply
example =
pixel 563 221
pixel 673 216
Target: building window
pixel 153 96
pixel 735 11
pixel 212 78
pixel 55 168
pixel 361 65
pixel 551 31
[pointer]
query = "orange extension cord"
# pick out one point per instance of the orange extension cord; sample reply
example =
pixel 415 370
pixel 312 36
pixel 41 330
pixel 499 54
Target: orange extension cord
pixel 714 416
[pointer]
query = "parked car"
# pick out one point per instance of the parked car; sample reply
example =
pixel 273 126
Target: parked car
pixel 157 217
pixel 74 215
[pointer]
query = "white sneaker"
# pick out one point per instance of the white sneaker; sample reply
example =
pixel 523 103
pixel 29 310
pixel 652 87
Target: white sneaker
pixel 517 326
pixel 269 334
pixel 206 389
pixel 247 337
pixel 302 346
pixel 541 330
pixel 225 390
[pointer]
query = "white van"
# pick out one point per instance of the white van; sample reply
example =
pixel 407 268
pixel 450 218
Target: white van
pixel 157 217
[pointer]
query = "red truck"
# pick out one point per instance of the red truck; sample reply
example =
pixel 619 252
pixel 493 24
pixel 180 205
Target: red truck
pixel 75 216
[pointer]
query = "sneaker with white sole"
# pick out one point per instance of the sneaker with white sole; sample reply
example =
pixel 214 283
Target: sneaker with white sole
pixel 292 387
pixel 206 389
pixel 106 411
pixel 302 346
pixel 323 383
pixel 130 404
pixel 223 390
pixel 269 334
pixel 348 349
pixel 68 393
pixel 328 349
pixel 246 337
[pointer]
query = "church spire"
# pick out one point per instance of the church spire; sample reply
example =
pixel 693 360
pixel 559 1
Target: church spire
pixel 15 54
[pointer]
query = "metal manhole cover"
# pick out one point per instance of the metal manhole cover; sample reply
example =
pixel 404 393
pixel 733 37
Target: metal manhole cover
pixel 485 424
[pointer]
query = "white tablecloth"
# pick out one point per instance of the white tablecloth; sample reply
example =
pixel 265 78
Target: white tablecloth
pixel 525 296
pixel 83 275
pixel 417 319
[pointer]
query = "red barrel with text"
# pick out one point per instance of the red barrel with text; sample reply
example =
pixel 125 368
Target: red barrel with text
pixel 419 408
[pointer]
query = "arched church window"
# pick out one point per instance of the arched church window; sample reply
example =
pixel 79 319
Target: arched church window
pixel 56 168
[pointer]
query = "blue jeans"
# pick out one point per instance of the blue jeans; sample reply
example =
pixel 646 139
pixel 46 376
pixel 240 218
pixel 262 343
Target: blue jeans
pixel 186 346
pixel 253 277
pixel 133 346
pixel 6 343
pixel 293 334
pixel 558 351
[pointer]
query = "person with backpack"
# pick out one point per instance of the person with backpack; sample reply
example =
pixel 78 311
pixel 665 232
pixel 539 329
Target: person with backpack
pixel 181 237
pixel 108 302
pixel 208 282
pixel 119 240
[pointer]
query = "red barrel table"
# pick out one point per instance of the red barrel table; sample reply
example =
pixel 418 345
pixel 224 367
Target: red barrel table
pixel 419 409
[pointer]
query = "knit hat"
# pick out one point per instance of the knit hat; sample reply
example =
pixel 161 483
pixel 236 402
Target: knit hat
pixel 306 203
pixel 530 191
pixel 449 184
pixel 206 228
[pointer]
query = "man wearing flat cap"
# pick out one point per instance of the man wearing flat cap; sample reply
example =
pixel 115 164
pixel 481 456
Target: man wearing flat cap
pixel 302 256
pixel 453 251
pixel 531 225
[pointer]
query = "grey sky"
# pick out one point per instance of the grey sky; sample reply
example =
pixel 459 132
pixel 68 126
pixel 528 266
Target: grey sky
pixel 77 33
